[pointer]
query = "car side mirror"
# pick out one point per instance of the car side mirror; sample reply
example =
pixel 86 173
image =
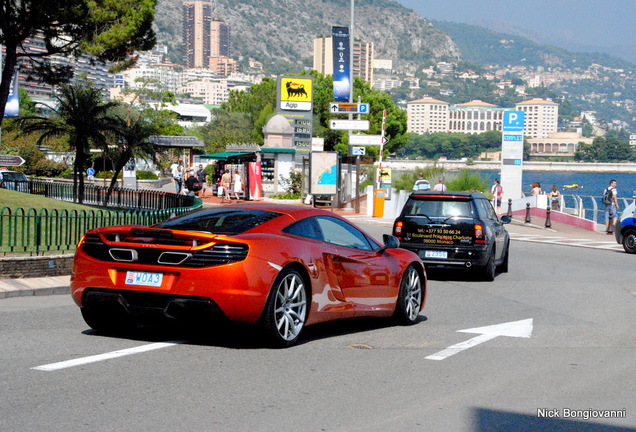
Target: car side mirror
pixel 506 219
pixel 390 241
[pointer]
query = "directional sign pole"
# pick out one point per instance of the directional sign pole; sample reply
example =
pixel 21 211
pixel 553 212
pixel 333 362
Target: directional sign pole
pixel 520 329
pixel 381 150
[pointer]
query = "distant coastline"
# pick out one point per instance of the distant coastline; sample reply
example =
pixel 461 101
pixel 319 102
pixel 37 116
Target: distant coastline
pixel 456 165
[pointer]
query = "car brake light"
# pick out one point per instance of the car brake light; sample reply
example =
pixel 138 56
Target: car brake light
pixel 479 234
pixel 398 228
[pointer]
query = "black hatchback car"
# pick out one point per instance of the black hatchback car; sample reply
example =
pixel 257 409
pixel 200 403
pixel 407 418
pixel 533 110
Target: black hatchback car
pixel 454 229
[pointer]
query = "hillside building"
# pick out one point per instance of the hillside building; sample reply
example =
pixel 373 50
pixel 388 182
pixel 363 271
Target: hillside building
pixel 363 58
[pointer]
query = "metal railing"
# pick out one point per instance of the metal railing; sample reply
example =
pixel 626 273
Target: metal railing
pixel 46 230
pixel 589 207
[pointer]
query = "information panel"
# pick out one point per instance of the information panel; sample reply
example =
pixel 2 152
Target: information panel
pixel 512 154
pixel 323 167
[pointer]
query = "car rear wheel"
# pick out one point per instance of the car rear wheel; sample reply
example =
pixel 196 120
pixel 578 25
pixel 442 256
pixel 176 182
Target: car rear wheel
pixel 286 309
pixel 107 319
pixel 504 265
pixel 490 269
pixel 409 300
pixel 629 241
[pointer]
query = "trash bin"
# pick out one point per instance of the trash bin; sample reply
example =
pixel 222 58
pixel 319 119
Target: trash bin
pixel 378 202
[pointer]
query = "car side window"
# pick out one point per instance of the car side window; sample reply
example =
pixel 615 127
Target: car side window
pixel 485 210
pixel 340 233
pixel 306 228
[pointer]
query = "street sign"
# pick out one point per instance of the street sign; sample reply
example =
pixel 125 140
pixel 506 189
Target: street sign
pixel 11 160
pixel 358 151
pixel 513 121
pixel 349 124
pixel 348 108
pixel 367 139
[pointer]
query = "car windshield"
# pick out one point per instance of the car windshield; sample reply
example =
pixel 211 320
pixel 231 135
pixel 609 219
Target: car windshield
pixel 220 221
pixel 438 208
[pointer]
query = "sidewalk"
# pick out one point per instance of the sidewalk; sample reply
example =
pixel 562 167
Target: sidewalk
pixel 535 231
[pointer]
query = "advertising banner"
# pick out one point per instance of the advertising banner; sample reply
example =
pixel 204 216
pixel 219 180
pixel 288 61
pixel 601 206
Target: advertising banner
pixel 12 108
pixel 341 63
pixel 255 181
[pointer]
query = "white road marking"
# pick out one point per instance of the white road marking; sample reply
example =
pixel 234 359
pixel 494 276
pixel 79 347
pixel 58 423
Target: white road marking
pixel 107 356
pixel 521 329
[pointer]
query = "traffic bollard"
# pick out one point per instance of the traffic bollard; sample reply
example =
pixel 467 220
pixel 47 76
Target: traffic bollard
pixel 548 223
pixel 509 207
pixel 528 219
pixel 610 227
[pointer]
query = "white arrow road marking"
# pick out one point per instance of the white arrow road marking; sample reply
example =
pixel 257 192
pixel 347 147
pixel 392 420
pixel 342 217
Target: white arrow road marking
pixel 522 329
pixel 106 356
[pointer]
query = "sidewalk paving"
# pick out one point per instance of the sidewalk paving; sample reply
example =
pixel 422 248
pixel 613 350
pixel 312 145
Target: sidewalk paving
pixel 535 231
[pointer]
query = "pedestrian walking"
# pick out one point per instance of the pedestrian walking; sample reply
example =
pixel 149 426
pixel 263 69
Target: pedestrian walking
pixel 554 196
pixel 421 184
pixel 497 195
pixel 202 175
pixel 238 185
pixel 440 186
pixel 610 200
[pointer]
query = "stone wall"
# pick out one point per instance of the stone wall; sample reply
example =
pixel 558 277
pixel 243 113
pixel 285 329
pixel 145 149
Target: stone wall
pixel 35 266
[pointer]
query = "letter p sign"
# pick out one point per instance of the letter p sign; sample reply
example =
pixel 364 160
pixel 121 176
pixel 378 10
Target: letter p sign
pixel 513 121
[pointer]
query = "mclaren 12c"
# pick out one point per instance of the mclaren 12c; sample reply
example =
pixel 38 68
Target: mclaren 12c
pixel 282 267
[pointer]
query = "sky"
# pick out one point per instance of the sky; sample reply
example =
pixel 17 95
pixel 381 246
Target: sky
pixel 579 23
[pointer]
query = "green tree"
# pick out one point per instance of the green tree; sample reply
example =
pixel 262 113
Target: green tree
pixel 83 117
pixel 109 30
pixel 225 128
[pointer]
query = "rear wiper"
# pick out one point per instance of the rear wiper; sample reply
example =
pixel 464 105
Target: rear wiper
pixel 425 215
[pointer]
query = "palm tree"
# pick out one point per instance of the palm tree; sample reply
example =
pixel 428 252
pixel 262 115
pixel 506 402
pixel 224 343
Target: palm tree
pixel 82 116
pixel 133 132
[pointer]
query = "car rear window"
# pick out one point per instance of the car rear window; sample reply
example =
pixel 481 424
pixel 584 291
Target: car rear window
pixel 438 208
pixel 220 221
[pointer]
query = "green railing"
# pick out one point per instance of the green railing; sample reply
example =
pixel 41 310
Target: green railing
pixel 35 232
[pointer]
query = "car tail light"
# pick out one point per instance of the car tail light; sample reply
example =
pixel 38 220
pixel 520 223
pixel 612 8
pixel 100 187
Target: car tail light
pixel 398 229
pixel 479 234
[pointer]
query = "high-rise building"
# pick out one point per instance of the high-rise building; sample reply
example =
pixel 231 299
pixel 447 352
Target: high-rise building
pixel 362 58
pixel 204 37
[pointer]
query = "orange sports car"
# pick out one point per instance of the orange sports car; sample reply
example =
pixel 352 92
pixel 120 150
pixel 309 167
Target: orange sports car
pixel 283 267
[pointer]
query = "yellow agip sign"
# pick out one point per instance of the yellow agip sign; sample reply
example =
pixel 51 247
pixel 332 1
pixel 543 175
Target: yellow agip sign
pixel 296 94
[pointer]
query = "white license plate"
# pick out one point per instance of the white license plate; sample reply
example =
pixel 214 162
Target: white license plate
pixel 436 254
pixel 144 278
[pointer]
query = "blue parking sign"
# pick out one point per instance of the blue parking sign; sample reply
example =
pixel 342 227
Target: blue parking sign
pixel 514 121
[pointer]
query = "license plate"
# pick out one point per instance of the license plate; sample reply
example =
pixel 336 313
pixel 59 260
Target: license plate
pixel 436 254
pixel 144 278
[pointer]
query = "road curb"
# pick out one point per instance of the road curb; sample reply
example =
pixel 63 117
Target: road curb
pixel 26 287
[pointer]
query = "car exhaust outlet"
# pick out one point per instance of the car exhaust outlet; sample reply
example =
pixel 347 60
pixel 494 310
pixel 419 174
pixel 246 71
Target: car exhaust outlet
pixel 468 264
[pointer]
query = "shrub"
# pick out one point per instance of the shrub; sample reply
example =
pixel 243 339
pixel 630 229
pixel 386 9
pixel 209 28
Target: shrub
pixel 467 181
pixel 146 175
pixel 407 180
pixel 48 168
pixel 293 184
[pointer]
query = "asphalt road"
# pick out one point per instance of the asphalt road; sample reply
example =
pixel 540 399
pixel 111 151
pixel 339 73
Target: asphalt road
pixel 352 376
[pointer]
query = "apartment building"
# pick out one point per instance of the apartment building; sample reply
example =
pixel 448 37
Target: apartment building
pixel 427 115
pixel 541 118
pixel 363 58
pixel 212 93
